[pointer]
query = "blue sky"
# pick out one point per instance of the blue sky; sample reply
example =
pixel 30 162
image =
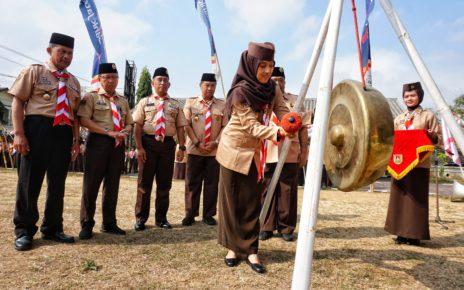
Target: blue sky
pixel 170 33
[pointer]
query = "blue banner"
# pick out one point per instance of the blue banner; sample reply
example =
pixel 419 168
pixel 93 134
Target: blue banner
pixel 200 5
pixel 94 27
pixel 366 44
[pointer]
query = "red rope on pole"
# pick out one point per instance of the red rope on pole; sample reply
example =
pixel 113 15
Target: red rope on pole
pixel 358 42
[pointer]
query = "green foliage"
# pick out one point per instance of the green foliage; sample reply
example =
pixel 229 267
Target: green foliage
pixel 458 106
pixel 144 85
pixel 90 265
pixel 442 160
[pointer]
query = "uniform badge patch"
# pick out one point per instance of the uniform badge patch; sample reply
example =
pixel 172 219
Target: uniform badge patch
pixel 397 159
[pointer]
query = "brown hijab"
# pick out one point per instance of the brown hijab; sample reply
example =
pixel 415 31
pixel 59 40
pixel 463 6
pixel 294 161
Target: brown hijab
pixel 245 87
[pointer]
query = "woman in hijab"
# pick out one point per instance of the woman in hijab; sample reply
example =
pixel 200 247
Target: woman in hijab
pixel 408 209
pixel 241 153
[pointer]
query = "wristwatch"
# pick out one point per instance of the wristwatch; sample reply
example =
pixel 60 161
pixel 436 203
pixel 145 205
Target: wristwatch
pixel 182 148
pixel 106 130
pixel 197 144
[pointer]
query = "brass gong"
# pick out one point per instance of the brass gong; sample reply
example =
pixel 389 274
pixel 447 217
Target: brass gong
pixel 360 136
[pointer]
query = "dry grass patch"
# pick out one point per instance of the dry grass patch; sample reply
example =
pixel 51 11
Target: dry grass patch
pixel 352 250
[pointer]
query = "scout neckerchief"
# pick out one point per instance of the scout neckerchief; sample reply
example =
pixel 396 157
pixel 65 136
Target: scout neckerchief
pixel 62 110
pixel 409 118
pixel 160 123
pixel 208 119
pixel 263 148
pixel 115 116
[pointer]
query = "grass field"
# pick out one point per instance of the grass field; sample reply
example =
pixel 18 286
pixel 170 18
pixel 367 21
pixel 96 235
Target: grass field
pixel 352 250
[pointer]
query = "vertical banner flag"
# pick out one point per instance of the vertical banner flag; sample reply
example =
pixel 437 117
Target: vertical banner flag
pixel 200 5
pixel 449 144
pixel 94 27
pixel 366 45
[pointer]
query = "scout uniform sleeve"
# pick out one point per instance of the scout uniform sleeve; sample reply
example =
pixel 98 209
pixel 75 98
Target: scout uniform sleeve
pixel 22 86
pixel 86 107
pixel 433 127
pixel 188 112
pixel 180 120
pixel 280 108
pixel 252 126
pixel 128 120
pixel 139 114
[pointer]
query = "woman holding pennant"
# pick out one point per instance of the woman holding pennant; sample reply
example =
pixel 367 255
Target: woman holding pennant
pixel 241 152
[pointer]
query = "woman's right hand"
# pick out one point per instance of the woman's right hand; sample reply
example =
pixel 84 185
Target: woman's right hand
pixel 21 144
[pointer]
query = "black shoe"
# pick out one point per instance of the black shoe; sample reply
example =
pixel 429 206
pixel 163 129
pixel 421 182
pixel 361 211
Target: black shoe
pixel 188 221
pixel 86 233
pixel 400 240
pixel 164 225
pixel 23 243
pixel 59 237
pixel 287 237
pixel 231 262
pixel 258 268
pixel 113 229
pixel 413 242
pixel 139 226
pixel 266 235
pixel 210 221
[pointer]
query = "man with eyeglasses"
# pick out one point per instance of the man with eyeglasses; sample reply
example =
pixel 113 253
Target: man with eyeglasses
pixel 107 116
pixel 157 119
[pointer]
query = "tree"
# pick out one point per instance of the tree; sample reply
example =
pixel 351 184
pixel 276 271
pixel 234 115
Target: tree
pixel 144 85
pixel 458 106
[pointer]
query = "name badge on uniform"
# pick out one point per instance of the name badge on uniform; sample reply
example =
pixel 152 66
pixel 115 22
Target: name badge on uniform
pixel 101 102
pixel 45 81
pixel 149 104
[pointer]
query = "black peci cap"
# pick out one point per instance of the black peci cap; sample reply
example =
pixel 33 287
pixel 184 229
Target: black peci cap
pixel 62 39
pixel 107 68
pixel 161 71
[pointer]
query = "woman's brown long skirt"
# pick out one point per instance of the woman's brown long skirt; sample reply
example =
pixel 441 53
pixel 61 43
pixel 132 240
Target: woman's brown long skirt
pixel 239 207
pixel 408 210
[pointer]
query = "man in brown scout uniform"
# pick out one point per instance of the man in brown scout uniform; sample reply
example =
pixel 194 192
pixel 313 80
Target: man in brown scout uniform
pixel 46 97
pixel 282 214
pixel 157 119
pixel 107 116
pixel 205 117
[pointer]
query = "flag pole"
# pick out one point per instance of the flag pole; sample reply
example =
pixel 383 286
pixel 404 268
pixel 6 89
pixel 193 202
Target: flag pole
pixel 220 73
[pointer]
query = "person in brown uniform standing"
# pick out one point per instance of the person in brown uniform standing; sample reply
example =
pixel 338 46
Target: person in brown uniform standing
pixel 250 102
pixel 157 119
pixel 46 132
pixel 282 215
pixel 205 117
pixel 408 208
pixel 107 116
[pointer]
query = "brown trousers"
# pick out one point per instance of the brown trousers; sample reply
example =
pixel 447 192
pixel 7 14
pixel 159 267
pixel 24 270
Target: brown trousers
pixel 201 169
pixel 282 213
pixel 159 164
pixel 239 208
pixel 103 162
pixel 408 209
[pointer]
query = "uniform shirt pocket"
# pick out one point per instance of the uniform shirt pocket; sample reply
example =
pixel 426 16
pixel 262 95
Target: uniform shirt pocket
pixel 46 92
pixel 101 112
